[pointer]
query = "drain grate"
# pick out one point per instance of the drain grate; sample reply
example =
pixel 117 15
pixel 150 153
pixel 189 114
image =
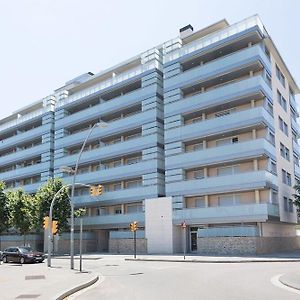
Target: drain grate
pixel 28 296
pixel 136 273
pixel 32 277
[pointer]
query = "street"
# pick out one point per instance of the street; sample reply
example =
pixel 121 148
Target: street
pixel 167 280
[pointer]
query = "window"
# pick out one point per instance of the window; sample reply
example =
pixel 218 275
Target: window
pixel 227 141
pixel 285 203
pixel 291 206
pixel 281 101
pixel 283 126
pixel 268 79
pixel 133 183
pixel 224 112
pixel 134 208
pixel 269 107
pixel 198 146
pixel 285 152
pixel 200 202
pixel 133 160
pixel 117 186
pixel 274 197
pixel 280 76
pixel 286 177
pixel 230 170
pixel 272 138
pixel 229 200
pixel 118 210
pixel 273 167
pixel 117 163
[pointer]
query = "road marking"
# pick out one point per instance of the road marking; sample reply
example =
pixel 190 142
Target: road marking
pixel 275 281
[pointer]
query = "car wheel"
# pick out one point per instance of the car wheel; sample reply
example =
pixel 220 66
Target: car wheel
pixel 4 259
pixel 22 260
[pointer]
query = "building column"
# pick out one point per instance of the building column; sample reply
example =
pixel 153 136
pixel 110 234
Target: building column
pixel 257 196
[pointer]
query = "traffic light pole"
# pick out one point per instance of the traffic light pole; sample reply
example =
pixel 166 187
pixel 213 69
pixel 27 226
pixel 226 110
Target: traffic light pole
pixel 134 245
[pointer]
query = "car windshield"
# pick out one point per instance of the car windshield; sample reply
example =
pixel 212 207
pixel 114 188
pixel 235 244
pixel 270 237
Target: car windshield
pixel 25 249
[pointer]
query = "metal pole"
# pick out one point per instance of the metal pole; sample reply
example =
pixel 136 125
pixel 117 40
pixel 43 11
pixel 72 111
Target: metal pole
pixel 80 246
pixel 134 243
pixel 72 197
pixel 184 242
pixel 49 239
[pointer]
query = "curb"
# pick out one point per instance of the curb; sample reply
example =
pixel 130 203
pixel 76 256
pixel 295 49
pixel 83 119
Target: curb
pixel 77 288
pixel 211 261
pixel 287 283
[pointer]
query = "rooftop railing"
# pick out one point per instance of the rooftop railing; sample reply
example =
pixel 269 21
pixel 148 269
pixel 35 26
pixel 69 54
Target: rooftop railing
pixel 23 118
pixel 109 82
pixel 215 37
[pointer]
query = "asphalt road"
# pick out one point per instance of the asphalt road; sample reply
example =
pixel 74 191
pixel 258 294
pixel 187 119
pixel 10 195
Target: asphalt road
pixel 166 280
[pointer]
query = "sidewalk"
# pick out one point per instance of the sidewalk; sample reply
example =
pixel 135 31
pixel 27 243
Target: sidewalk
pixel 37 281
pixel 291 280
pixel 277 257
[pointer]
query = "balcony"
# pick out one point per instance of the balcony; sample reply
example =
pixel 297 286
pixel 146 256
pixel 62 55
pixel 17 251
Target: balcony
pixel 242 119
pixel 222 184
pixel 214 38
pixel 250 88
pixel 118 173
pixel 93 90
pixel 226 214
pixel 24 118
pixel 24 137
pixel 295 125
pixel 106 152
pixel 232 152
pixel 297 170
pixel 296 147
pixel 106 107
pixel 25 172
pixel 218 67
pixel 118 197
pixel 112 221
pixel 114 127
pixel 22 155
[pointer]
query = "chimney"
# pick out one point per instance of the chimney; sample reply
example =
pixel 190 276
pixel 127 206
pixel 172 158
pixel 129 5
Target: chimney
pixel 186 31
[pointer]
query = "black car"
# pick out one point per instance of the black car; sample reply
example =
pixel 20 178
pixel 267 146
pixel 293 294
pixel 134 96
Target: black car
pixel 22 255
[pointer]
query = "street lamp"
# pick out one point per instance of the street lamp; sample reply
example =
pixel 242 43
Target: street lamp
pixel 100 124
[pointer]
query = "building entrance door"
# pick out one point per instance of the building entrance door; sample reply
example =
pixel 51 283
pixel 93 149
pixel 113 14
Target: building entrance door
pixel 193 239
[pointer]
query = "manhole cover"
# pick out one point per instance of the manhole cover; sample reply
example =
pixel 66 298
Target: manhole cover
pixel 35 277
pixel 136 273
pixel 28 296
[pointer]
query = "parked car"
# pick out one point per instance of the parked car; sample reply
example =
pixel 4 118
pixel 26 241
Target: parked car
pixel 22 255
pixel 0 255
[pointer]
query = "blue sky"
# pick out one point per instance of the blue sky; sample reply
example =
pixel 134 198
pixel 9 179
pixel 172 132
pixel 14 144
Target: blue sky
pixel 45 43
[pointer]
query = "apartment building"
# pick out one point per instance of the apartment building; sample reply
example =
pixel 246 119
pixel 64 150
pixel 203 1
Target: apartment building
pixel 27 145
pixel 200 130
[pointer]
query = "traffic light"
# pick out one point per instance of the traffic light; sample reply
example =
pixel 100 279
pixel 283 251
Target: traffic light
pixel 96 190
pixel 100 189
pixel 46 222
pixel 134 226
pixel 54 227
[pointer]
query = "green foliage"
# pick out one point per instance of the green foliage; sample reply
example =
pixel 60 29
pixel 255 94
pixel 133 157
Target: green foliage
pixel 297 197
pixel 23 211
pixel 80 212
pixel 61 209
pixel 4 209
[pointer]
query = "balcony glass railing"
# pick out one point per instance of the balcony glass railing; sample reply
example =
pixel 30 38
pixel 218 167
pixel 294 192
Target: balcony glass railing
pixel 109 82
pixel 24 118
pixel 215 37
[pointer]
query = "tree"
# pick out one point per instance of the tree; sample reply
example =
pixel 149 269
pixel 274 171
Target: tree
pixel 23 211
pixel 4 210
pixel 61 209
pixel 297 197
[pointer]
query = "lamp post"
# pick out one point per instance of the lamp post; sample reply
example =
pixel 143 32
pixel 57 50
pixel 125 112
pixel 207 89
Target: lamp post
pixel 50 218
pixel 74 172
